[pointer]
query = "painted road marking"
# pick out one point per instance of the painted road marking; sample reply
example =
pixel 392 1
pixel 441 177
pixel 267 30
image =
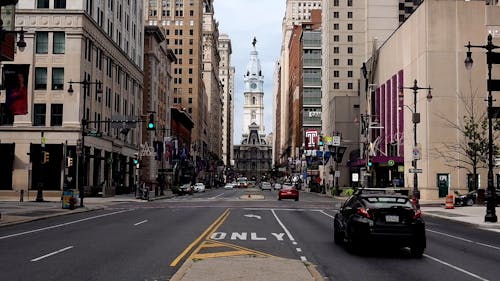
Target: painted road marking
pixel 456 268
pixel 141 222
pixel 208 232
pixel 253 216
pixel 224 250
pixel 244 236
pixel 464 239
pixel 51 254
pixel 61 225
pixel 283 226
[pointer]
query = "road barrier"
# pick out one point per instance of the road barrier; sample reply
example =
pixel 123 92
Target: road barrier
pixel 450 204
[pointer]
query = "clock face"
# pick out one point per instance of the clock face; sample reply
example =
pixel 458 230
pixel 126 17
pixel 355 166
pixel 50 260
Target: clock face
pixel 253 86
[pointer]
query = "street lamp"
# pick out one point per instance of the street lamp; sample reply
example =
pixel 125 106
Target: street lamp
pixel 416 120
pixel 493 85
pixel 86 86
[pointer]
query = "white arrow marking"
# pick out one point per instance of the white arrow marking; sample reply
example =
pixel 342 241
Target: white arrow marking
pixel 253 216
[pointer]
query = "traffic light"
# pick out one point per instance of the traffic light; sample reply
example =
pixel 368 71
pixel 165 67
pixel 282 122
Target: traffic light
pixel 151 122
pixel 136 160
pixel 370 164
pixel 69 161
pixel 45 158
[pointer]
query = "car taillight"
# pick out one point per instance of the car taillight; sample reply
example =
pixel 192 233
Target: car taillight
pixel 364 212
pixel 417 214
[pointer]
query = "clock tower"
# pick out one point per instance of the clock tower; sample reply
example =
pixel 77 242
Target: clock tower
pixel 253 107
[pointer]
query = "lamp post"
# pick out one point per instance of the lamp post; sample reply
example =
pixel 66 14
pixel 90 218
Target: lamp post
pixel 493 85
pixel 416 120
pixel 84 121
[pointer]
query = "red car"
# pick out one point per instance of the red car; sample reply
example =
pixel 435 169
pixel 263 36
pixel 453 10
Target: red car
pixel 288 192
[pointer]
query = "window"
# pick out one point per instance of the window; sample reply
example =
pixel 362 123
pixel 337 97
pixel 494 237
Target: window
pixel 335 50
pixel 349 86
pixel 57 78
pixel 349 61
pixel 349 38
pixel 349 50
pixel 56 114
pixel 349 3
pixel 336 73
pixel 190 100
pixel 335 3
pixel 335 38
pixel 349 73
pixel 40 78
pixel 59 4
pixel 42 42
pixel 335 61
pixel 42 4
pixel 58 44
pixel 336 26
pixel 349 26
pixel 336 15
pixel 39 114
pixel 336 85
pixel 349 15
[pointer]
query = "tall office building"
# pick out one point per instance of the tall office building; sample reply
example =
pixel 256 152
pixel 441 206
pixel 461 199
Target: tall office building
pixel 99 47
pixel 296 13
pixel 226 75
pixel 182 22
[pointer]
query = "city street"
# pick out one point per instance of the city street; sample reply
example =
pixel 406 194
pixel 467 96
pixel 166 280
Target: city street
pixel 151 241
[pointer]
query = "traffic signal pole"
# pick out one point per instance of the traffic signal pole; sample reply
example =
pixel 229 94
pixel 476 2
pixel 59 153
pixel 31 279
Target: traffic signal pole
pixel 41 183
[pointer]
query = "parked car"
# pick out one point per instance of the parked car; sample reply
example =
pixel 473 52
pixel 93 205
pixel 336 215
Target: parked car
pixel 185 189
pixel 266 186
pixel 288 192
pixel 380 217
pixel 470 198
pixel 277 186
pixel 229 186
pixel 199 187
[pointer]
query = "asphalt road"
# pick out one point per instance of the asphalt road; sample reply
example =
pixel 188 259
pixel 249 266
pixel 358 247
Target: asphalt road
pixel 150 241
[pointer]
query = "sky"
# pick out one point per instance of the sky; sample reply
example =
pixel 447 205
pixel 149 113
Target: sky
pixel 242 20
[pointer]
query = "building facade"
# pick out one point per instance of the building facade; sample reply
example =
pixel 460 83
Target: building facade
pixel 99 48
pixel 226 75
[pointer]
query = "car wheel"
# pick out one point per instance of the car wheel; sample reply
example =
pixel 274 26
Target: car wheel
pixel 338 236
pixel 469 202
pixel 297 199
pixel 279 198
pixel 417 251
pixel 351 245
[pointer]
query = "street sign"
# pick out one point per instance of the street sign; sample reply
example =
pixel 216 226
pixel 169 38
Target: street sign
pixel 93 134
pixel 336 141
pixel 416 153
pixel 418 171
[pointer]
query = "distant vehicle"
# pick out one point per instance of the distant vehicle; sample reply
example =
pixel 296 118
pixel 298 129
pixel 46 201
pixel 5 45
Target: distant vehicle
pixel 277 186
pixel 288 192
pixel 266 186
pixel 242 182
pixel 185 189
pixel 229 186
pixel 470 198
pixel 199 187
pixel 371 217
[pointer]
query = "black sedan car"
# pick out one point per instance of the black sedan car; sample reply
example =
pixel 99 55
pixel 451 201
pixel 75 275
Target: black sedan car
pixel 380 217
pixel 470 198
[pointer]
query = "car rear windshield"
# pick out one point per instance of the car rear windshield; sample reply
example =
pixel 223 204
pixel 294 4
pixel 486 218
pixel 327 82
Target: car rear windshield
pixel 386 201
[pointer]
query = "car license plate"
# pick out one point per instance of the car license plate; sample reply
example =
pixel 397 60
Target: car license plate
pixel 389 218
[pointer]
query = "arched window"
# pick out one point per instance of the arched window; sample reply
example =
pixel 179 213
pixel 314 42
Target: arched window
pixel 253 100
pixel 254 115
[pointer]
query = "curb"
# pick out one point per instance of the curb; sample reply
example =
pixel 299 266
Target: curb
pixel 314 271
pixel 182 270
pixel 477 225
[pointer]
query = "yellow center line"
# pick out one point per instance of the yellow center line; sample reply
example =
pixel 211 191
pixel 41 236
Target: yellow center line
pixel 209 231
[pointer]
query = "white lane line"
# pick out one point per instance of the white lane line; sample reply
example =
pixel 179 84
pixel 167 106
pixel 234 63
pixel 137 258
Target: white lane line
pixel 303 259
pixel 299 250
pixel 217 195
pixel 283 226
pixel 456 268
pixel 60 225
pixel 141 222
pixel 328 215
pixel 463 239
pixel 53 253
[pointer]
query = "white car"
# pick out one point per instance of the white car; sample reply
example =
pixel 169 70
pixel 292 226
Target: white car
pixel 266 186
pixel 229 186
pixel 199 187
pixel 277 186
